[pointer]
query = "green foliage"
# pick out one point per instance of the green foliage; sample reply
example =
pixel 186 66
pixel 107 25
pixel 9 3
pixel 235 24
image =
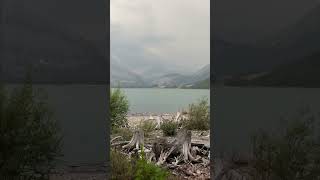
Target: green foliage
pixel 119 107
pixel 169 128
pixel 121 166
pixel 149 171
pixel 147 126
pixel 136 168
pixel 198 116
pixel 291 155
pixel 126 133
pixel 30 140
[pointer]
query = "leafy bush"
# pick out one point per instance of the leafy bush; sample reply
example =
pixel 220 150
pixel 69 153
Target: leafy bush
pixel 30 140
pixel 149 171
pixel 147 126
pixel 169 128
pixel 135 168
pixel 293 154
pixel 119 107
pixel 198 116
pixel 121 166
pixel 126 133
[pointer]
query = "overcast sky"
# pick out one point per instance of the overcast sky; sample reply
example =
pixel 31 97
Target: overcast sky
pixel 175 32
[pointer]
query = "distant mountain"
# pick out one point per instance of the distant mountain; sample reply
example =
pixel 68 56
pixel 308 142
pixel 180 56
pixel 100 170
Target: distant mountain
pixel 172 80
pixel 123 77
pixel 197 79
pixel 120 75
pixel 200 75
pixel 203 84
pixel 301 73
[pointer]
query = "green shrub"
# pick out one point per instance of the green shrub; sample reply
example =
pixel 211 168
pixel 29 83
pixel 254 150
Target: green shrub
pixel 135 168
pixel 30 138
pixel 121 166
pixel 119 107
pixel 169 128
pixel 198 116
pixel 147 126
pixel 149 171
pixel 293 154
pixel 125 133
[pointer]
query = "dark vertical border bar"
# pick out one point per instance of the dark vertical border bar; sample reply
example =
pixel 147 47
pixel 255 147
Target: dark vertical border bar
pixel 212 120
pixel 107 53
pixel 39 28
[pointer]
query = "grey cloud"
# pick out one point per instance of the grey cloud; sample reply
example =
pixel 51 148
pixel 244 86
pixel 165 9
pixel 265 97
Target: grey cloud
pixel 172 34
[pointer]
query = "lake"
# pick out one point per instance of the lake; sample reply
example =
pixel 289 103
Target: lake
pixel 82 113
pixel 237 112
pixel 162 100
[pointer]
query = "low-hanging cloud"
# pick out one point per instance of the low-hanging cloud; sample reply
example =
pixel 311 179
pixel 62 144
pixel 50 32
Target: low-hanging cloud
pixel 174 33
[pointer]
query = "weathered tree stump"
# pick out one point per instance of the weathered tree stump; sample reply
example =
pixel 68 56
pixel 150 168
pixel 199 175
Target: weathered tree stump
pixel 181 145
pixel 136 141
pixel 159 122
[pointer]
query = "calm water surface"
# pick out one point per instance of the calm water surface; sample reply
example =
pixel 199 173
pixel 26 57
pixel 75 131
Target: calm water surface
pixel 163 100
pixel 237 112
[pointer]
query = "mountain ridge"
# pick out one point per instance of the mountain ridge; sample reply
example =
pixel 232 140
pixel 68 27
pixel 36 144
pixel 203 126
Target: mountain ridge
pixel 170 80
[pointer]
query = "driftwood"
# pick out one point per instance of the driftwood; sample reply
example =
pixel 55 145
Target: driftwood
pixel 179 154
pixel 180 116
pixel 121 143
pixel 159 122
pixel 118 137
pixel 177 118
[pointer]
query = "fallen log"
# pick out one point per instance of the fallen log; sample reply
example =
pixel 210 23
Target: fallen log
pixel 121 143
pixel 200 144
pixel 118 137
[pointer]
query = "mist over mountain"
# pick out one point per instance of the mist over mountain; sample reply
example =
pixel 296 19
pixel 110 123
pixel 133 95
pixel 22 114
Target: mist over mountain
pixel 125 77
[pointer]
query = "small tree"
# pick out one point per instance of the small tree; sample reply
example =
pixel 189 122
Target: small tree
pixel 119 107
pixel 149 171
pixel 198 115
pixel 30 140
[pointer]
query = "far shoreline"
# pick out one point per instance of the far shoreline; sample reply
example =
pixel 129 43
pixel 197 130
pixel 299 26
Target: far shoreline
pixel 158 88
